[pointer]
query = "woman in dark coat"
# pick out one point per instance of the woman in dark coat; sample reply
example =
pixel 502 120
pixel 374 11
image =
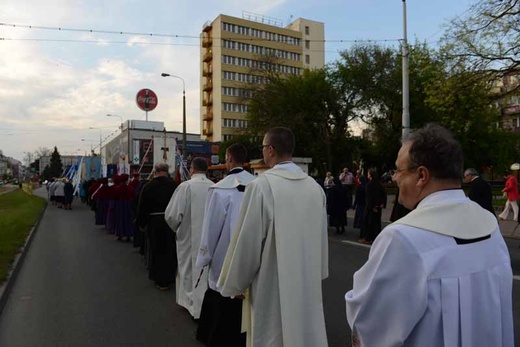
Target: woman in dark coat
pixel 375 202
pixel 68 189
pixel 339 204
pixel 359 204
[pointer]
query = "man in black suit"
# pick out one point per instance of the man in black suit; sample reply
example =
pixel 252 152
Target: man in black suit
pixel 479 190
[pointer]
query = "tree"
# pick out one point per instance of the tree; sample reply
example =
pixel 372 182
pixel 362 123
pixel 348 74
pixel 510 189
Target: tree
pixel 487 39
pixel 46 174
pixel 311 105
pixel 463 103
pixel 56 167
pixel 42 152
pixel 251 144
pixel 374 74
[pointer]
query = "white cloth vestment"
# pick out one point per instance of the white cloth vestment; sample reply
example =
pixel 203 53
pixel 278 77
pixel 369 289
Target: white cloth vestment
pixel 222 208
pixel 279 252
pixel 440 276
pixel 184 215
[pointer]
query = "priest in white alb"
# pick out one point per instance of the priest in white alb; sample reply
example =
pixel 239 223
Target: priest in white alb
pixel 221 317
pixel 185 215
pixel 278 255
pixel 441 275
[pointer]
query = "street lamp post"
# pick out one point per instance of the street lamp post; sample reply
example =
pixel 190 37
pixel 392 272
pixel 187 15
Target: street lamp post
pixel 91 148
pixel 99 139
pixel 184 144
pixel 115 115
pixel 406 85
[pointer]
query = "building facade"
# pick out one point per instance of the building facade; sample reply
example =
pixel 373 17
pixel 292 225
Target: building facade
pixel 141 144
pixel 509 105
pixel 235 50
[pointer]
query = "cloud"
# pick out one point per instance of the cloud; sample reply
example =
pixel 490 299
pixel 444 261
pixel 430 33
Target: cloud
pixel 51 93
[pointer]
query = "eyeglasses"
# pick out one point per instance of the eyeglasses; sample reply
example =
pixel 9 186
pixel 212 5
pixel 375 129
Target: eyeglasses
pixel 396 171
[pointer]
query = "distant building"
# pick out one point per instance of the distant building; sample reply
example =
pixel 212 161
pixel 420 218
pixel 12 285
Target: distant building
pixel 234 48
pixel 3 166
pixel 66 160
pixel 509 117
pixel 141 144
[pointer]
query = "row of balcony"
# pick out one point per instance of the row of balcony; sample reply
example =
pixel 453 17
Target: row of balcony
pixel 207 71
pixel 207 131
pixel 208 116
pixel 207 56
pixel 207 41
pixel 208 85
pixel 207 101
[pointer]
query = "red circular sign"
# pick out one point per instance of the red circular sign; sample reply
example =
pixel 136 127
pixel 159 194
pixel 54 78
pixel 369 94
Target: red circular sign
pixel 146 99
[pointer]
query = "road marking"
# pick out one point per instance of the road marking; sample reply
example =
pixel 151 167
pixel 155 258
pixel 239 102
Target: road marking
pixel 516 278
pixel 356 244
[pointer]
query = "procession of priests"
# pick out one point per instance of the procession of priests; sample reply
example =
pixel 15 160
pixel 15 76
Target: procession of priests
pixel 252 252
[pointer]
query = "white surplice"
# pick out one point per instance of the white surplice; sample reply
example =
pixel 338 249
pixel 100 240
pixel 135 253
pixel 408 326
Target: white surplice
pixel 420 287
pixel 185 215
pixel 279 252
pixel 222 208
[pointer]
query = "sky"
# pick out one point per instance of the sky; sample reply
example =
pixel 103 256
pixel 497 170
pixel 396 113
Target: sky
pixel 57 86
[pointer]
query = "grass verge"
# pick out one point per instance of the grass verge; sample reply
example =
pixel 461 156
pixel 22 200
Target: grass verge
pixel 18 214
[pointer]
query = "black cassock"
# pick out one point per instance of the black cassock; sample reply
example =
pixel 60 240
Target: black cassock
pixel 162 256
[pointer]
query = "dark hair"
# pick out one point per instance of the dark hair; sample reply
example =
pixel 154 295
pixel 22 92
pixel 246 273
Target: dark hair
pixel 282 141
pixel 435 148
pixel 161 167
pixel 373 174
pixel 238 151
pixel 199 164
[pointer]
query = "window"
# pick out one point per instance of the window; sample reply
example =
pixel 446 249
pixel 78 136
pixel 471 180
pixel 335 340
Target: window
pixel 307 59
pixel 307 44
pixel 307 30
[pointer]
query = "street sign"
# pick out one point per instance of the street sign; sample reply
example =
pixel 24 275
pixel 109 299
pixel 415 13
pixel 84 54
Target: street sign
pixel 146 100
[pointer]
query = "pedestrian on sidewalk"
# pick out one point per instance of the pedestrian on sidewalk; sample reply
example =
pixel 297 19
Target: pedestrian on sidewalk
pixel 68 189
pixel 479 190
pixel 511 192
pixel 441 275
pixel 153 201
pixel 59 192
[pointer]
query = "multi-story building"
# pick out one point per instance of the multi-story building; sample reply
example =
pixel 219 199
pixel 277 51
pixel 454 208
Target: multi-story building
pixel 235 50
pixel 509 105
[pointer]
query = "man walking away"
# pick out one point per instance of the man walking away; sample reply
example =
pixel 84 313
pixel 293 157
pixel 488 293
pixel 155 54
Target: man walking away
pixel 221 317
pixel 479 190
pixel 279 252
pixel 153 200
pixel 184 215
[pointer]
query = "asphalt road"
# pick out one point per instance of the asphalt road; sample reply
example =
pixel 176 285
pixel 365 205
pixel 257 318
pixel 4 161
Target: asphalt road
pixel 78 286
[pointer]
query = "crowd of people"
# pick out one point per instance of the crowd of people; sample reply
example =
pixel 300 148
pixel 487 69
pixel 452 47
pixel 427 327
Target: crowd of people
pixel 247 255
pixel 370 199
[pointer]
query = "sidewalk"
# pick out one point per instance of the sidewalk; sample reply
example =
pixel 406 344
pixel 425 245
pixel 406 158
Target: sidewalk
pixel 509 228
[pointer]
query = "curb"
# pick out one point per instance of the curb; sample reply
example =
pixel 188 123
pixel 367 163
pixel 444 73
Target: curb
pixel 6 287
